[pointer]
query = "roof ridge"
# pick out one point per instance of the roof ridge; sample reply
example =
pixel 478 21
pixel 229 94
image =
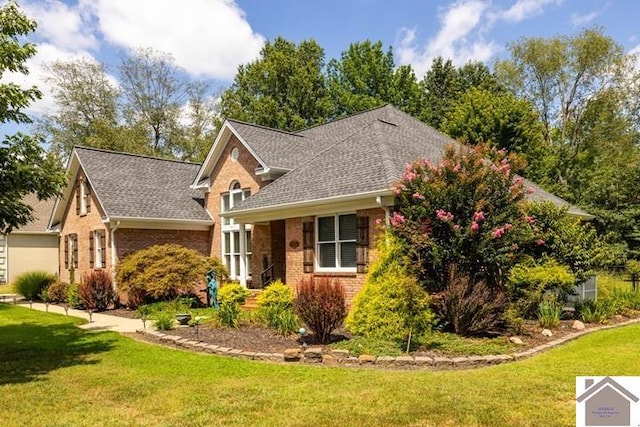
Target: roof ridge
pixel 349 116
pixel 266 128
pixel 143 156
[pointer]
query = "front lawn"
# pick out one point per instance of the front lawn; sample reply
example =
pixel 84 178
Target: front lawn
pixel 53 374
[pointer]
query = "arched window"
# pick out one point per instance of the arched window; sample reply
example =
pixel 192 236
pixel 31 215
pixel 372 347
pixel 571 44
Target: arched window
pixel 231 231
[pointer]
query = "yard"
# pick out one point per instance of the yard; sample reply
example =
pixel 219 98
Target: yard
pixel 52 373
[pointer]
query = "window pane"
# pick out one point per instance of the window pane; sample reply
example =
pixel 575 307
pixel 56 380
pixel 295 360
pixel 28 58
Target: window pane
pixel 347 254
pixel 227 243
pixel 248 265
pixel 236 242
pixel 225 207
pixel 326 229
pixel 327 254
pixel 236 260
pixel 248 241
pixel 246 194
pixel 237 198
pixel 347 227
pixel 235 186
pixel 227 262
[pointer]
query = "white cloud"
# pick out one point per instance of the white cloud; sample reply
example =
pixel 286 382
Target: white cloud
pixel 206 37
pixel 578 20
pixel 524 9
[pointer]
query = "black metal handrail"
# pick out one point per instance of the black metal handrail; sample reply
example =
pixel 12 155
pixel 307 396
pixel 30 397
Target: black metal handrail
pixel 266 276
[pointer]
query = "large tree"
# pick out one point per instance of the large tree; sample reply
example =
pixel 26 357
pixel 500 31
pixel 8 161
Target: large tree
pixel 24 166
pixel 285 88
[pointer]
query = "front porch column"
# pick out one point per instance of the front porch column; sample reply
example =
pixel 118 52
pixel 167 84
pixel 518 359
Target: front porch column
pixel 243 255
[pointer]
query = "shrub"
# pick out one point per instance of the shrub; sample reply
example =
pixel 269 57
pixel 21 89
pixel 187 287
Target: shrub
pixel 31 284
pixel 320 303
pixel 592 311
pixel 73 296
pixel 163 321
pixel 275 308
pixel 96 290
pixel 469 307
pixel 163 272
pixel 549 312
pixel 633 270
pixel 391 304
pixel 528 284
pixel 627 299
pixel 229 314
pixel 58 291
pixel 233 293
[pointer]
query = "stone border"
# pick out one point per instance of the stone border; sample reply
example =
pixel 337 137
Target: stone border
pixel 316 355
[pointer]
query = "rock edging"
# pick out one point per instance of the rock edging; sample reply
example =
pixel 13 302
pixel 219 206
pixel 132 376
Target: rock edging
pixel 317 356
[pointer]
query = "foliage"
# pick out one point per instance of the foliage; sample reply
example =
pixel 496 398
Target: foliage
pixel 229 314
pixel 275 307
pixel 592 311
pixel 456 345
pixel 58 291
pixel 632 268
pixel 163 321
pixel 320 303
pixel 96 290
pixel 376 346
pixel 549 312
pixel 233 293
pixel 391 305
pixel 465 210
pixel 25 167
pixel 626 299
pixel 283 89
pixel 162 272
pixel 31 283
pixel 73 296
pixel 469 306
pixel 528 284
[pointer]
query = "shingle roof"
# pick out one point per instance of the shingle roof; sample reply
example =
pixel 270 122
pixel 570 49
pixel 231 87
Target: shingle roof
pixel 359 154
pixel 41 212
pixel 131 186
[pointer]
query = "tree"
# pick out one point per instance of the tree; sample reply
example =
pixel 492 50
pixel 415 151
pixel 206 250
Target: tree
pixel 442 88
pixel 24 166
pixel 283 89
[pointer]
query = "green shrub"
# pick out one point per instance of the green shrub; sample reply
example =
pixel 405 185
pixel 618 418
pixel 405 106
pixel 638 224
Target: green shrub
pixel 626 299
pixel 528 284
pixel 233 293
pixel 31 284
pixel 514 320
pixel 632 268
pixel 391 305
pixel 275 308
pixel 320 303
pixel 592 311
pixel 96 290
pixel 163 321
pixel 277 294
pixel 229 314
pixel 73 296
pixel 369 345
pixel 549 312
pixel 163 272
pixel 58 292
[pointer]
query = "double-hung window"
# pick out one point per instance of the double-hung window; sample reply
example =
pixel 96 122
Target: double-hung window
pixel 231 232
pixel 336 243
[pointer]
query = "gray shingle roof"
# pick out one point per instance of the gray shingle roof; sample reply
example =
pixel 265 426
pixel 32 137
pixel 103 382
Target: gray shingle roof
pixel 41 212
pixel 359 154
pixel 131 186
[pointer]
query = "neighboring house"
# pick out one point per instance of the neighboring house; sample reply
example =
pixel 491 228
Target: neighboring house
pixel 288 205
pixel 116 203
pixel 30 247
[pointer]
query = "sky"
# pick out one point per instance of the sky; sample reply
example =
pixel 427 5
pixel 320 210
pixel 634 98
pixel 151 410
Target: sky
pixel 210 38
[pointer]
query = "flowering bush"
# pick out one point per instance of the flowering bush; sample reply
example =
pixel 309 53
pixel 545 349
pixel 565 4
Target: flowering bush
pixel 468 210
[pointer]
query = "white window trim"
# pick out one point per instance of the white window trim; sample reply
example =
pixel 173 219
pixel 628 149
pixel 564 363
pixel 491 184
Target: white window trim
pixel 233 227
pixel 336 242
pixel 83 197
pixel 98 256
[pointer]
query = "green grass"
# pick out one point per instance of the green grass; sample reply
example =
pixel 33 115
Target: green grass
pixel 54 374
pixel 455 345
pixel 607 282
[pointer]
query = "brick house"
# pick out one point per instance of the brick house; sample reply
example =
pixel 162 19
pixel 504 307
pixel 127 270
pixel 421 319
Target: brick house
pixel 288 205
pixel 117 203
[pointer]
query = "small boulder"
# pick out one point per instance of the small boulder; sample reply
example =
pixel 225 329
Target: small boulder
pixel 547 333
pixel 577 325
pixel 516 340
pixel 292 355
pixel 366 359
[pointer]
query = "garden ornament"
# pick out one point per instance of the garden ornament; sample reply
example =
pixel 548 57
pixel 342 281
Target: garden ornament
pixel 212 287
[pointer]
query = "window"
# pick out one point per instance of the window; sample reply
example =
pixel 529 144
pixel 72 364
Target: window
pixel 231 232
pixel 83 197
pixel 71 251
pixel 97 249
pixel 336 242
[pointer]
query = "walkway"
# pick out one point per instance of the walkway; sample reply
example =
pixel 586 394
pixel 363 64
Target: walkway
pixel 96 321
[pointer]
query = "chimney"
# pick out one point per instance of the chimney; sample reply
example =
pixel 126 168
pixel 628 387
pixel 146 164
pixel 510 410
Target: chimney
pixel 588 383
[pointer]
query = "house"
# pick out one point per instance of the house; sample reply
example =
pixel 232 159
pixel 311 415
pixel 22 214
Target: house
pixel 30 247
pixel 606 403
pixel 117 203
pixel 291 204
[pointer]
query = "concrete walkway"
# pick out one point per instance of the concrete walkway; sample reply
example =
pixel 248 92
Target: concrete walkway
pixel 97 321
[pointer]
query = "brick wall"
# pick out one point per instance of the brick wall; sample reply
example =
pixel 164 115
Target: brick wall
pixel 129 240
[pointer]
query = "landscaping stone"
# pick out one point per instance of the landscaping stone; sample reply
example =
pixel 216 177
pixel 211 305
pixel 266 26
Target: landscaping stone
pixel 352 360
pixel 460 361
pixel 476 360
pixel 329 359
pixel 313 355
pixel 385 360
pixel 516 340
pixel 234 352
pixel 547 333
pixel 442 361
pixel 262 356
pixel 223 350
pixel 292 355
pixel 247 354
pixel 405 361
pixel 577 325
pixel 366 359
pixel 423 360
pixel 340 354
pixel 277 357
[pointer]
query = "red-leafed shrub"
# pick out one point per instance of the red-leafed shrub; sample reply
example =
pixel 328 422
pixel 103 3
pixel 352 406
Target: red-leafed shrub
pixel 320 303
pixel 96 290
pixel 57 292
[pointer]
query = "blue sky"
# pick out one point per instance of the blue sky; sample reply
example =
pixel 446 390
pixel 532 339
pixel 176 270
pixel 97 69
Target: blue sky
pixel 210 38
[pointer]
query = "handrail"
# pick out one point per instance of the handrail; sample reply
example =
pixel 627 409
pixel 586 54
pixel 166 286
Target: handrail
pixel 266 276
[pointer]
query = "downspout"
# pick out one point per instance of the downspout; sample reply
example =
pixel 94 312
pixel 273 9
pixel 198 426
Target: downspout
pixel 113 254
pixel 387 211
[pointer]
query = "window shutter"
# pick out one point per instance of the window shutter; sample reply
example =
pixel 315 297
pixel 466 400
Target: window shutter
pixel 362 243
pixel 91 249
pixel 78 197
pixel 87 193
pixel 75 250
pixel 307 245
pixel 66 251
pixel 103 245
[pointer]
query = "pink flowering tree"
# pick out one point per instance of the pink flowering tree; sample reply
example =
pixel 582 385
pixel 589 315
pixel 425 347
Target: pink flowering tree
pixel 466 211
